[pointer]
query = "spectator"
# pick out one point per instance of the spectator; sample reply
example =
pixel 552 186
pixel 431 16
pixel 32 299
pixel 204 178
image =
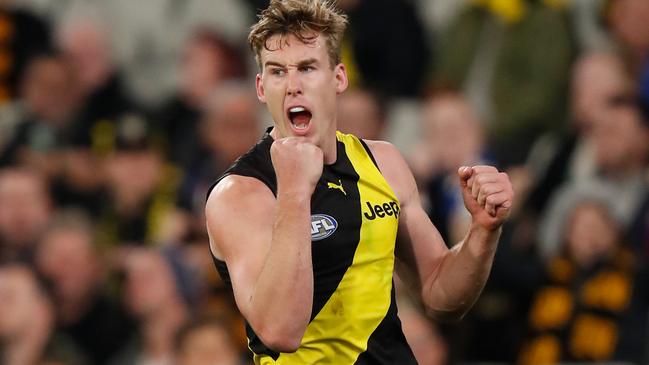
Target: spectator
pixel 513 60
pixel 208 60
pixel 452 137
pixel 83 39
pixel 362 113
pixel 597 78
pixel 594 304
pixel 42 116
pixel 141 187
pixel 27 332
pixel 152 295
pixel 621 150
pixel 207 342
pixel 230 126
pixel 82 36
pixel 68 260
pixel 25 210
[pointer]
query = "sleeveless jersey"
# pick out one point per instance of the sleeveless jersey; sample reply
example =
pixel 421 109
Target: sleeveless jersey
pixel 354 218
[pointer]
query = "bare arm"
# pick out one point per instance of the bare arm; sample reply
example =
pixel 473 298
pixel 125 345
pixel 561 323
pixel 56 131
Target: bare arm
pixel 266 243
pixel 448 281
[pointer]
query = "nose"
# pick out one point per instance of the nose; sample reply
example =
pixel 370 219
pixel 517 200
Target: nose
pixel 294 86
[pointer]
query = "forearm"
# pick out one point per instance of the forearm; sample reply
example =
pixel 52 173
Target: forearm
pixel 457 283
pixel 283 295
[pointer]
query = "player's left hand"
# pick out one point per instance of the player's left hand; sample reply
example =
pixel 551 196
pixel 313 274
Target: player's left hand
pixel 487 195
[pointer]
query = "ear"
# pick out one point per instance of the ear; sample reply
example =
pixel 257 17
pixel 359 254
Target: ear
pixel 341 78
pixel 261 95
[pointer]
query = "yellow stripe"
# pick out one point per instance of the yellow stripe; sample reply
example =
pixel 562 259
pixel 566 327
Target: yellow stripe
pixel 341 330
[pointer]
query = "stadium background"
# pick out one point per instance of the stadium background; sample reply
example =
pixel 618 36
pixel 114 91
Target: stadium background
pixel 116 116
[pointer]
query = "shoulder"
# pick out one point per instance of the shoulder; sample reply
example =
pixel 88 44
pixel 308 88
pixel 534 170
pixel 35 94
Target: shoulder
pixel 236 192
pixel 393 167
pixel 382 149
pixel 236 205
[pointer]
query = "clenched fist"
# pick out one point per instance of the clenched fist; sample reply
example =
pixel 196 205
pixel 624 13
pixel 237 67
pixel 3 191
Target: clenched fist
pixel 298 165
pixel 487 194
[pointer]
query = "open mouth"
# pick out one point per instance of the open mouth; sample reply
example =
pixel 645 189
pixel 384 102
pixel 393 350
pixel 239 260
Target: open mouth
pixel 300 118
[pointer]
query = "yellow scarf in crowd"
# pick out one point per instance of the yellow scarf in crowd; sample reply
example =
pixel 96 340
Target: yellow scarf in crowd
pixel 512 11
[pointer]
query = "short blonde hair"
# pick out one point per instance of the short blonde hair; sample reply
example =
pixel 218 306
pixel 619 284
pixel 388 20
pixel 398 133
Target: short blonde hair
pixel 305 19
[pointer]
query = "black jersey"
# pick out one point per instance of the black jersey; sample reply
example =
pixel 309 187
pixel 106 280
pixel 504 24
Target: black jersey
pixel 354 219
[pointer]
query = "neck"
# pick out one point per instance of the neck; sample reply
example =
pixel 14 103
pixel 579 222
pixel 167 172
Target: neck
pixel 70 310
pixel 329 150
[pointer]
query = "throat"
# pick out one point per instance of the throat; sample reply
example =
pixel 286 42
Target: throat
pixel 330 152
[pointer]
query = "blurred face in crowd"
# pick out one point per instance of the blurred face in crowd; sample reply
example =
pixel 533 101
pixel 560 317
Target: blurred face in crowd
pixel 49 89
pixel 360 115
pixel 133 175
pixel 620 139
pixel 88 48
pixel 24 207
pixel 203 67
pixel 19 300
pixel 596 78
pixel 591 235
pixel 150 284
pixel 231 125
pixel 300 86
pixel 210 344
pixel 453 132
pixel 629 22
pixel 66 258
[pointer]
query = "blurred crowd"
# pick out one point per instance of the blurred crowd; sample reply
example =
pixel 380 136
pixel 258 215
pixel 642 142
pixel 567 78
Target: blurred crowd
pixel 116 117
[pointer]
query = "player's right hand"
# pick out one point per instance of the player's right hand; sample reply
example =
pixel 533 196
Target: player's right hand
pixel 298 165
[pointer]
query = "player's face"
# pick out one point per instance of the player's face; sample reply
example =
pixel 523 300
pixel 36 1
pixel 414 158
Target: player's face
pixel 299 86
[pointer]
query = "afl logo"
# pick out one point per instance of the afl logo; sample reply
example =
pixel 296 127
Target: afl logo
pixel 322 226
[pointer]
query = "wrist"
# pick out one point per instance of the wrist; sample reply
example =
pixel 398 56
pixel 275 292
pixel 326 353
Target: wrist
pixel 294 196
pixel 295 190
pixel 482 240
pixel 485 228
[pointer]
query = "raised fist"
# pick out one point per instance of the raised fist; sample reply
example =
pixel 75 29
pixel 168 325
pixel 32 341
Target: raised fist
pixel 487 194
pixel 298 165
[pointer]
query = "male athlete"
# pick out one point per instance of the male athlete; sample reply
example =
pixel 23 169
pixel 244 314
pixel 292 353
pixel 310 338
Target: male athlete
pixel 306 226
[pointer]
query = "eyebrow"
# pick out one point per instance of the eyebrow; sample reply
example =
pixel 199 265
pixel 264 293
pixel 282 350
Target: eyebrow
pixel 307 62
pixel 272 63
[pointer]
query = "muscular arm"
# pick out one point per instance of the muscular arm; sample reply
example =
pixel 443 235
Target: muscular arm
pixel 266 244
pixel 448 281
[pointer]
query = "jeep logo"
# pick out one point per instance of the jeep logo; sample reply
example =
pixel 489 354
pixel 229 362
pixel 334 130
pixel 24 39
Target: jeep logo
pixel 322 226
pixel 382 210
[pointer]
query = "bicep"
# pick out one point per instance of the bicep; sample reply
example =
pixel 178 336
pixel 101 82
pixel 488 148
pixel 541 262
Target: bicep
pixel 239 224
pixel 419 248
